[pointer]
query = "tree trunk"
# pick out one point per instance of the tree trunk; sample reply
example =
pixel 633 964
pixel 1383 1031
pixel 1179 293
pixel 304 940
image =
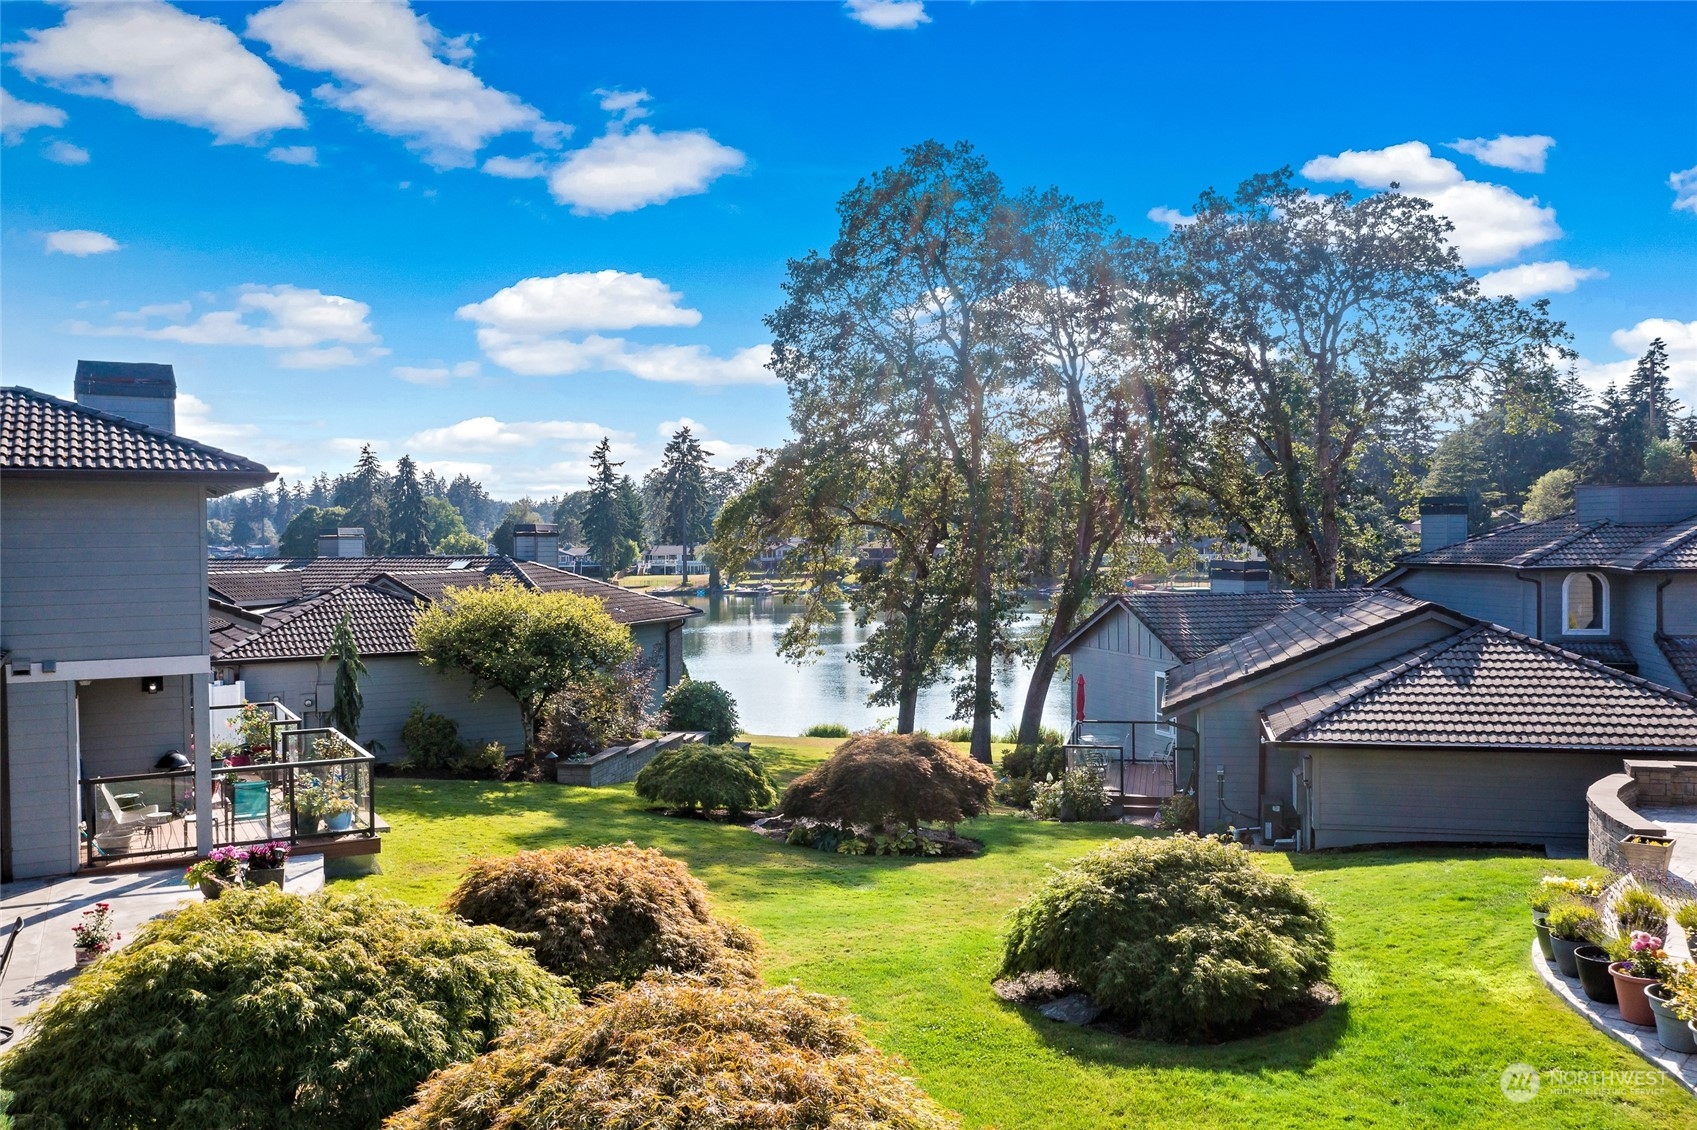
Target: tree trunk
pixel 907 708
pixel 982 648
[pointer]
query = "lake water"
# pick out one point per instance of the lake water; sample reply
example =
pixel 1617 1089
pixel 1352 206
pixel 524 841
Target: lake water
pixel 735 644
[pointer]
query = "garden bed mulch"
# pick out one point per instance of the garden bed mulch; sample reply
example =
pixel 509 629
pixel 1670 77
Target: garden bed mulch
pixel 1061 1000
pixel 777 829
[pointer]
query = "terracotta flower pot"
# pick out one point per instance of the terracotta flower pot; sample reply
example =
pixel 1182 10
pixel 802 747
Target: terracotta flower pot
pixel 1675 1034
pixel 1594 974
pixel 1634 1006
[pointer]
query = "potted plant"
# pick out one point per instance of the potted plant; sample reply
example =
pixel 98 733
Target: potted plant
pixel 308 802
pixel 218 872
pixel 1678 983
pixel 1572 924
pixel 254 726
pixel 265 864
pixel 1636 909
pixel 1641 962
pixel 94 935
pixel 338 808
pixel 1647 855
pixel 1592 961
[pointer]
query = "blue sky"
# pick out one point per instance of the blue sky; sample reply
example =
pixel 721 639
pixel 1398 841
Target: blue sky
pixel 487 234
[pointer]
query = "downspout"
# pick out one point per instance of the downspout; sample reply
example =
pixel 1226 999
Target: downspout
pixel 1667 579
pixel 5 775
pixel 1537 584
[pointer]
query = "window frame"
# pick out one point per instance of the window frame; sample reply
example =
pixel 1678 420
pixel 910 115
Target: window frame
pixel 1163 724
pixel 1602 596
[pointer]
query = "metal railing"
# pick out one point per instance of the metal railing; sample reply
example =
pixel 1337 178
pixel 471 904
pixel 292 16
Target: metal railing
pixel 1142 756
pixel 315 784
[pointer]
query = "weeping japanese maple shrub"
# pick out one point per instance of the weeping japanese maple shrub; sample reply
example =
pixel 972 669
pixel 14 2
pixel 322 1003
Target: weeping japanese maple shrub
pixel 879 778
pixel 1188 938
pixel 675 1053
pixel 266 1009
pixel 605 913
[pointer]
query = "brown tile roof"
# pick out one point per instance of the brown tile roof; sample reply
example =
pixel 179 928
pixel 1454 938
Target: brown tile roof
pixel 41 434
pixel 229 625
pixel 382 624
pixel 1562 543
pixel 1292 635
pixel 1191 624
pixel 1488 687
pixel 627 606
pixel 1681 652
pixel 1610 653
pixel 255 589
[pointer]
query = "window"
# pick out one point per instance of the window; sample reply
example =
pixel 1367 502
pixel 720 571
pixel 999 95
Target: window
pixel 1164 726
pixel 1585 604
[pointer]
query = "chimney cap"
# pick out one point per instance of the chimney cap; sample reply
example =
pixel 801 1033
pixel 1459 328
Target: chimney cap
pixel 1444 504
pixel 145 379
pixel 536 528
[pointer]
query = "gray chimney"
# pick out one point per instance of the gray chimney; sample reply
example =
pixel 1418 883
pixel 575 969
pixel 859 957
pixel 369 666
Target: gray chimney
pixel 136 390
pixel 1443 521
pixel 1237 576
pixel 347 541
pixel 537 541
pixel 1635 504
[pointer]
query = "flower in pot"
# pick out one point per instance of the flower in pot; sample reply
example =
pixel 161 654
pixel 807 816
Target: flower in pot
pixel 265 864
pixel 254 726
pixel 1552 889
pixel 1673 1002
pixel 95 934
pixel 1640 961
pixel 1572 924
pixel 1636 910
pixel 338 809
pixel 218 872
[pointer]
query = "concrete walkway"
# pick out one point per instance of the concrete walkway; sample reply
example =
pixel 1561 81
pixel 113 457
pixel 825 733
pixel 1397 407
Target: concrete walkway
pixel 44 961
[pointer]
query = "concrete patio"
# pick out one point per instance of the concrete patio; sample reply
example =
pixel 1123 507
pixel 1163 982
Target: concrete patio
pixel 43 962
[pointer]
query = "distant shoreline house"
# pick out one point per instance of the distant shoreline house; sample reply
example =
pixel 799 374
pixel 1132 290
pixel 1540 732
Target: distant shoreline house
pixel 103 616
pixel 272 622
pixel 1471 694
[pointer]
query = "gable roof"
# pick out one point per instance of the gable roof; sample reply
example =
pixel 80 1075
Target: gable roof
pixel 1489 687
pixel 1564 543
pixel 1681 653
pixel 43 435
pixel 382 624
pixel 1192 624
pixel 229 625
pixel 254 589
pixel 1295 634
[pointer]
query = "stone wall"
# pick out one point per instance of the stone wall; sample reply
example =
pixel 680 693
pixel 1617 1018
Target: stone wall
pixel 1664 782
pixel 1612 805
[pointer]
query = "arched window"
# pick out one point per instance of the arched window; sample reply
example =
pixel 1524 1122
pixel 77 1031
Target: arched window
pixel 1585 604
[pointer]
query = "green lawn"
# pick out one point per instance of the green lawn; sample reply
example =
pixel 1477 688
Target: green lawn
pixel 1432 962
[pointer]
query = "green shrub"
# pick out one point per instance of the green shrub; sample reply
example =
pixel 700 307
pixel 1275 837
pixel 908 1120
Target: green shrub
pixel 1552 889
pixel 1573 921
pixel 1015 792
pixel 432 740
pixel 1686 916
pixel 672 1054
pixel 826 730
pixel 691 775
pixel 1037 762
pixel 695 705
pixel 875 778
pixel 612 707
pixel 1637 909
pixel 1185 937
pixel 1177 813
pixel 604 914
pixel 956 734
pixel 1046 736
pixel 264 1009
pixel 1078 795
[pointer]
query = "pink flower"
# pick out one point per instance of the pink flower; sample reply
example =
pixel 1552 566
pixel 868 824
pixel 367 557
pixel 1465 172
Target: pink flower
pixel 1645 942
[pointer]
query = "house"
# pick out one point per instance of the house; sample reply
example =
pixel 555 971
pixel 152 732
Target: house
pixel 104 625
pixel 665 559
pixel 281 615
pixel 1472 694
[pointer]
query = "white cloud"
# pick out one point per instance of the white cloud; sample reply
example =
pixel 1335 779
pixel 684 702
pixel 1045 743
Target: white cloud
pixel 436 374
pixel 1684 185
pixel 623 170
pixel 80 242
pixel 315 329
pixel 515 168
pixel 64 153
pixel 294 155
pixel 1681 340
pixel 163 63
pixel 1172 217
pixel 194 420
pixel 1492 223
pixel 400 74
pixel 590 300
pixel 1523 154
pixel 18 117
pixel 468 369
pixel 1531 279
pixel 722 453
pixel 486 433
pixel 626 105
pixel 451 468
pixel 534 356
pixel 888 15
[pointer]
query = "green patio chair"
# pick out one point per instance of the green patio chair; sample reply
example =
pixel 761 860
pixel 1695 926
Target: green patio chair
pixel 252 800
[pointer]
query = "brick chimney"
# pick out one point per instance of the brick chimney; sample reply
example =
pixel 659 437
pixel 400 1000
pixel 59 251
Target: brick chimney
pixel 136 390
pixel 537 541
pixel 346 541
pixel 1443 520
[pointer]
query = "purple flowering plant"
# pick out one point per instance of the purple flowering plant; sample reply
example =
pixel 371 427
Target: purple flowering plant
pixel 1643 955
pixel 267 856
pixel 224 865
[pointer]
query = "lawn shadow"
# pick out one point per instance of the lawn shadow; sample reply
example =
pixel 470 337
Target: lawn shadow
pixel 1339 859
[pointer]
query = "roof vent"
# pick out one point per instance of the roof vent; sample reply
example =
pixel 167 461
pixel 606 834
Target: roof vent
pixel 141 392
pixel 1443 521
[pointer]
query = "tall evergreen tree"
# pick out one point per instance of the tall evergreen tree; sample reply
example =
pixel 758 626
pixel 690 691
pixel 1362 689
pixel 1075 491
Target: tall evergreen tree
pixel 683 495
pixel 603 514
pixel 348 702
pixel 632 519
pixel 365 495
pixel 409 523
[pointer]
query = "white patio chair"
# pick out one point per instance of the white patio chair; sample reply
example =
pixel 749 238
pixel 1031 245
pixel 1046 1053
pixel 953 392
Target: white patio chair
pixel 123 823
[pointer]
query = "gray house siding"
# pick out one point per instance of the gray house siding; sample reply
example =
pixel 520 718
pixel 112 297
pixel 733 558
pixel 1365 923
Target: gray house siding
pixel 107 570
pixel 1679 604
pixel 125 731
pixel 394 683
pixel 1496 596
pixel 43 721
pixel 1365 796
pixel 1118 660
pixel 1230 726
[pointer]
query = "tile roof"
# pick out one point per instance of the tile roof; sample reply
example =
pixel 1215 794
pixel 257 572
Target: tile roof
pixel 41 434
pixel 254 589
pixel 627 606
pixel 1192 624
pixel 229 625
pixel 1610 653
pixel 1488 687
pixel 382 624
pixel 1681 652
pixel 1562 543
pixel 1301 631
